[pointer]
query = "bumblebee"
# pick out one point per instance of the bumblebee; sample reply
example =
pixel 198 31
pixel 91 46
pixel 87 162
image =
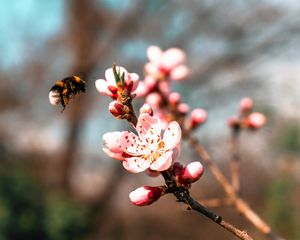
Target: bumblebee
pixel 65 89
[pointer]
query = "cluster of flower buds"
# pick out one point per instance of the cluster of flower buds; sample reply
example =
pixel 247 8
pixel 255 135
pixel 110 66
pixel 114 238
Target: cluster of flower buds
pixel 120 85
pixel 247 118
pixel 162 67
pixel 184 176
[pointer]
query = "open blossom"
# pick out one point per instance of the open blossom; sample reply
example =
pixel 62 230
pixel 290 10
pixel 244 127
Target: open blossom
pixel 150 149
pixel 110 88
pixel 168 64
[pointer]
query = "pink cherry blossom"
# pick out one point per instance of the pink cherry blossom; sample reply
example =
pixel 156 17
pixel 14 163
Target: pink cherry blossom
pixel 109 86
pixel 150 148
pixel 111 145
pixel 168 64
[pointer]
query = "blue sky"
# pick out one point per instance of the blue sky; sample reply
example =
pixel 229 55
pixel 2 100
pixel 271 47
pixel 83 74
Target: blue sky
pixel 23 22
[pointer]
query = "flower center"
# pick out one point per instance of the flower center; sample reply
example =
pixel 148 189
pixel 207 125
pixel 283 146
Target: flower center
pixel 155 153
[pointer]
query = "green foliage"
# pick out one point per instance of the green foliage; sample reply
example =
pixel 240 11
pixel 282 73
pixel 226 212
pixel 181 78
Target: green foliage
pixel 64 219
pixel 27 211
pixel 279 208
pixel 289 139
pixel 21 207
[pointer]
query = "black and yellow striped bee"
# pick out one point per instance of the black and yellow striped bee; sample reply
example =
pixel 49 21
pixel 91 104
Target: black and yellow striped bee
pixel 65 89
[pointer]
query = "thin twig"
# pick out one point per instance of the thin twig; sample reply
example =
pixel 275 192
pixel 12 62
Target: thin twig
pixel 235 160
pixel 182 195
pixel 239 203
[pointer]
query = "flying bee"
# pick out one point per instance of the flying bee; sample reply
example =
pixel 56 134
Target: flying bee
pixel 65 89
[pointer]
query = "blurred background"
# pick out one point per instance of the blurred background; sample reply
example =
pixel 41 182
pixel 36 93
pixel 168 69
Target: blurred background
pixel 55 181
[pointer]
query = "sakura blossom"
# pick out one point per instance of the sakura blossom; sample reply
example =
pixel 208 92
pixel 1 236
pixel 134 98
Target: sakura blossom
pixel 168 64
pixel 150 149
pixel 111 88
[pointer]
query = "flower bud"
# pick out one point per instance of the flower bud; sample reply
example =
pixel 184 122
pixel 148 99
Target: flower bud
pixel 255 120
pixel 146 195
pixel 246 105
pixel 174 98
pixel 192 172
pixel 183 108
pixel 198 116
pixel 153 99
pixel 146 108
pixel 117 109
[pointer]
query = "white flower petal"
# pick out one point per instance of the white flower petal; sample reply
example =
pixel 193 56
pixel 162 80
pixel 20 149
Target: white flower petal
pixel 163 162
pixel 154 54
pixel 135 164
pixel 102 87
pixel 149 129
pixel 132 144
pixel 172 135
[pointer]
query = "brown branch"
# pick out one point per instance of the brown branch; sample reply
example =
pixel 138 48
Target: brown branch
pixel 235 160
pixel 239 203
pixel 182 195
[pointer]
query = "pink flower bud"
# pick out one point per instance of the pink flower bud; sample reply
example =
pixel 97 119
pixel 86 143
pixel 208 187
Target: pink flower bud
pixel 164 87
pixel 233 122
pixel 198 116
pixel 153 99
pixel 146 108
pixel 174 98
pixel 117 109
pixel 246 105
pixel 255 120
pixel 192 172
pixel 183 108
pixel 146 195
